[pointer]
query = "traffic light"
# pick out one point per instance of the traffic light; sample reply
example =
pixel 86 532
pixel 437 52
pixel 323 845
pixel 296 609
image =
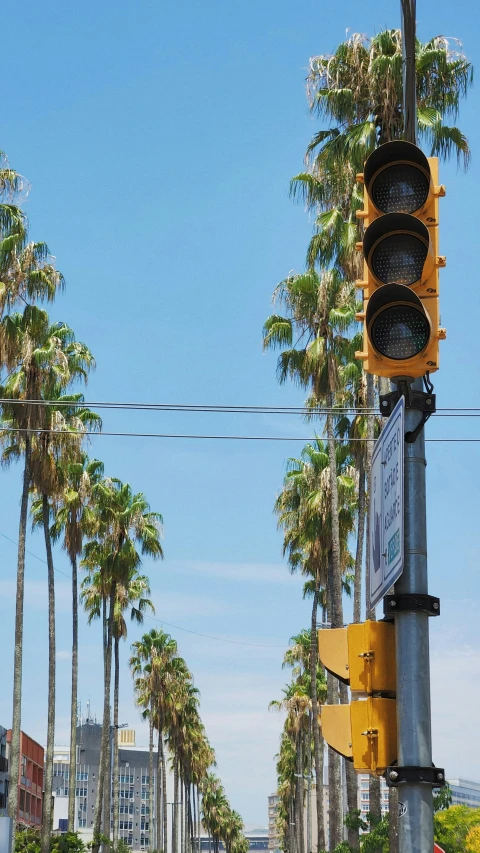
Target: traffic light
pixel 401 262
pixel 365 731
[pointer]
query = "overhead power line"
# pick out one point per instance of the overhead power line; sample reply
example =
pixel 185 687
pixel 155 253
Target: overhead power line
pixel 224 409
pixel 200 436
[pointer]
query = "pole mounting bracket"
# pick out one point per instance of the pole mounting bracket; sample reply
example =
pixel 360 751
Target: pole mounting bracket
pixel 434 776
pixel 421 401
pixel 412 602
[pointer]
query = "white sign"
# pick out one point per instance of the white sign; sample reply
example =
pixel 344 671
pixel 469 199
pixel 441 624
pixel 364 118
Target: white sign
pixel 386 506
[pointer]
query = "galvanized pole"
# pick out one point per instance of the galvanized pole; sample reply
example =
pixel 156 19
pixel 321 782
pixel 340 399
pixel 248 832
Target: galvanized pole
pixel 415 826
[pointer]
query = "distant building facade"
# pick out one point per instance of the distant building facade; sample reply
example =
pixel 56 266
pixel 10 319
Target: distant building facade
pixel 30 779
pixel 134 821
pixel 465 793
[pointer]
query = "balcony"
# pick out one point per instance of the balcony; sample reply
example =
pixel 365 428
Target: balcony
pixel 3 764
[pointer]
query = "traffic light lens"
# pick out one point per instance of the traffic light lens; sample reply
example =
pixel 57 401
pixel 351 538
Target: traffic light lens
pixel 400 189
pixel 399 259
pixel 400 332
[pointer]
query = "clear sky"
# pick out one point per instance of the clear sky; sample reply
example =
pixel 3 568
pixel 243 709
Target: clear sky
pixel 159 139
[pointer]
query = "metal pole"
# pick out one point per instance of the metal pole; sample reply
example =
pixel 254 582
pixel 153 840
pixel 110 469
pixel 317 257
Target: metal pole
pixel 408 8
pixel 415 826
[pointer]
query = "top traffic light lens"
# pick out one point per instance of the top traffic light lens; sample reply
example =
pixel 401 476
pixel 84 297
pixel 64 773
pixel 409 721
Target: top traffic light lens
pixel 400 188
pixel 400 332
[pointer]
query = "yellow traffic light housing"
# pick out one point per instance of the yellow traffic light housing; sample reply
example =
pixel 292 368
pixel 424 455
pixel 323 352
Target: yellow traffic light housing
pixel 363 656
pixel 364 732
pixel 400 247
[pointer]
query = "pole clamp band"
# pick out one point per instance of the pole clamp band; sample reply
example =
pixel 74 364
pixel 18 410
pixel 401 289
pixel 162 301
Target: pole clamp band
pixel 412 602
pixel 434 776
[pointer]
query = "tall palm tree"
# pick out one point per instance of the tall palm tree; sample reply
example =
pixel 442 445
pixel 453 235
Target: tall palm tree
pixel 126 530
pixel 151 664
pixel 74 518
pixel 40 357
pixel 131 595
pixel 304 514
pixel 57 445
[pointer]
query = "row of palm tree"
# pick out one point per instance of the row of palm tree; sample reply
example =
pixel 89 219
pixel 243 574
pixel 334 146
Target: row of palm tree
pixel 106 530
pixel 166 694
pixel 322 508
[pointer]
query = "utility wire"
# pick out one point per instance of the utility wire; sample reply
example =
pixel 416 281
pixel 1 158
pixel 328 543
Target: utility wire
pixel 220 409
pixel 211 437
pixel 153 618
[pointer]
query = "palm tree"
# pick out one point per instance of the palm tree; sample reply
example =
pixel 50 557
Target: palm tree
pixel 304 514
pixel 151 665
pixel 40 357
pixel 131 595
pixel 126 530
pixel 74 518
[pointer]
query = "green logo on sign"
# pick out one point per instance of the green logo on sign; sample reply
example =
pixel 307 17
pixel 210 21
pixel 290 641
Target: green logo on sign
pixel 393 546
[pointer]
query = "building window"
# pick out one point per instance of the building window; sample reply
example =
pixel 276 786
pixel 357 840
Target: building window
pixel 145 780
pixel 81 792
pixel 82 777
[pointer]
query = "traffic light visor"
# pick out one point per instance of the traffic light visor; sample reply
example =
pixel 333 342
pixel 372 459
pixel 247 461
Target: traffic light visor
pixel 397 323
pixel 397 177
pixel 396 247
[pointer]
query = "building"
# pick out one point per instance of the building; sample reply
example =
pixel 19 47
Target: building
pixel 134 824
pixel 30 780
pixel 257 839
pixel 465 793
pixel 364 795
pixel 3 772
pixel 273 838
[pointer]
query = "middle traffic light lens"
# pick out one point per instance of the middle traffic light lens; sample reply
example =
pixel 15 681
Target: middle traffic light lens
pixel 400 188
pixel 400 332
pixel 399 259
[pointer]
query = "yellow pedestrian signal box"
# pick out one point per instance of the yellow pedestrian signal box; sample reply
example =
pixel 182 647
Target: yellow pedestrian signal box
pixel 401 262
pixel 363 656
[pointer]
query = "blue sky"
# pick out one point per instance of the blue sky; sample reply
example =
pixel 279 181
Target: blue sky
pixel 159 139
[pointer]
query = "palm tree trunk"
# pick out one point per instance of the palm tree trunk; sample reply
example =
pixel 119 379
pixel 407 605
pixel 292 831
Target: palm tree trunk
pixel 158 806
pixel 103 768
pixel 317 739
pixel 336 580
pixel 47 798
pixel 18 651
pixel 192 810
pixel 164 791
pixel 182 817
pixel 116 762
pixel 199 820
pixel 351 779
pixel 335 798
pixel 299 795
pixel 175 808
pixel 334 777
pixel 151 790
pixel 357 587
pixel 73 702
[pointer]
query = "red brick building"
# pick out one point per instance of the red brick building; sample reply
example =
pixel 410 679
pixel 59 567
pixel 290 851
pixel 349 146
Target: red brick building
pixel 30 780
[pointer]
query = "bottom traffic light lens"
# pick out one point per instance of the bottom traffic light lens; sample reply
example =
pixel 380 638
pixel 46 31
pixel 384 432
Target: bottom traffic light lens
pixel 400 331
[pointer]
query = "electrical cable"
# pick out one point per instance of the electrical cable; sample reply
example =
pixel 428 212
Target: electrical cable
pixel 218 409
pixel 198 436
